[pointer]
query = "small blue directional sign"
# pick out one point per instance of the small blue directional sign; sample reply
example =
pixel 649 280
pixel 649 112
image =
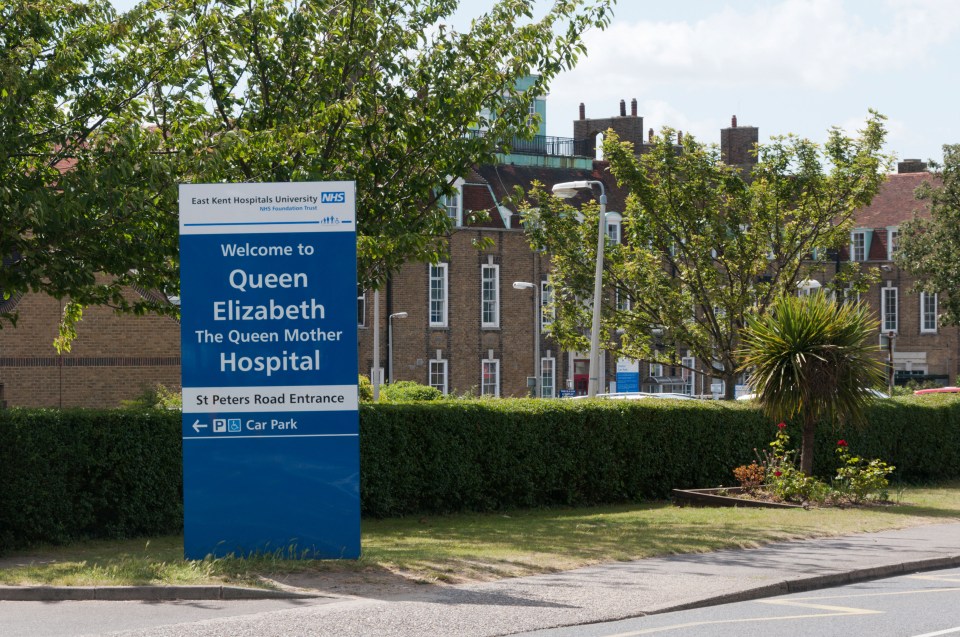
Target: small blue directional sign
pixel 269 357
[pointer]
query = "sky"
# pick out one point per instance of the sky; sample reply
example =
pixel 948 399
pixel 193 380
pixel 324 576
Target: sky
pixel 785 66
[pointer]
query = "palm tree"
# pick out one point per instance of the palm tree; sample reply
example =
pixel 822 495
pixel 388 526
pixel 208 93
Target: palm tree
pixel 810 357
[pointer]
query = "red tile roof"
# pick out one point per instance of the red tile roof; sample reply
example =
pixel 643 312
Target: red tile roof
pixel 896 202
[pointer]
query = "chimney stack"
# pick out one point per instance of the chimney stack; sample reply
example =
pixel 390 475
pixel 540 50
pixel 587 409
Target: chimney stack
pixel 633 107
pixel 650 135
pixel 623 108
pixel 583 111
pixel 911 166
pixel 733 122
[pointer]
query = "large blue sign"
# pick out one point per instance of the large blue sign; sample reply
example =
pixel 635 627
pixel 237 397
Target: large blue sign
pixel 269 357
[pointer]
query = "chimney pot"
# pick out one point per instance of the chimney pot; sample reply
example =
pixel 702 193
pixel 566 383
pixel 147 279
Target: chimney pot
pixel 733 122
pixel 583 111
pixel 623 108
pixel 633 107
pixel 679 136
pixel 650 136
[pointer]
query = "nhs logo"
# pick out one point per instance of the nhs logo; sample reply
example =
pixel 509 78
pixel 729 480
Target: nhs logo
pixel 333 197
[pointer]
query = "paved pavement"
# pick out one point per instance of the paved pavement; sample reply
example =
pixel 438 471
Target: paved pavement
pixel 586 595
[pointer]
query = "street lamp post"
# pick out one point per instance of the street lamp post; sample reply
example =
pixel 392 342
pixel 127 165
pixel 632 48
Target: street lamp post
pixel 397 315
pixel 537 371
pixel 890 337
pixel 566 190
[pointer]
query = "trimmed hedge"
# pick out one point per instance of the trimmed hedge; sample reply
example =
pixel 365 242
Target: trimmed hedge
pixel 66 475
pixel 483 455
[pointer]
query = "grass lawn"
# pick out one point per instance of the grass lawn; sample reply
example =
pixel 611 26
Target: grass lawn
pixel 461 548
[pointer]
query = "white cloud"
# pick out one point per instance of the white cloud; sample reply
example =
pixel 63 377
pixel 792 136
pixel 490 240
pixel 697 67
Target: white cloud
pixel 809 44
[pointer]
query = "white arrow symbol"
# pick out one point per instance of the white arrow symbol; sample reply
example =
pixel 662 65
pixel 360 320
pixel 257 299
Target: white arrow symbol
pixel 197 426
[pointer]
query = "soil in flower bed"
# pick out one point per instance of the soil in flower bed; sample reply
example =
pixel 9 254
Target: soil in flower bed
pixel 756 497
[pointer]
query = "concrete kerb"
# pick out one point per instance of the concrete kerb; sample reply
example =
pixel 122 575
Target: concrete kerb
pixel 143 593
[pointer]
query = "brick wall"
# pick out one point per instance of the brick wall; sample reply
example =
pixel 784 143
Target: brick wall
pixel 113 358
pixel 464 343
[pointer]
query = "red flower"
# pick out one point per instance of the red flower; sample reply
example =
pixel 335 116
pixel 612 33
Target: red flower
pixel 777 473
pixel 782 425
pixel 841 443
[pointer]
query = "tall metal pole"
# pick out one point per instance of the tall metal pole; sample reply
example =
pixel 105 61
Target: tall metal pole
pixel 890 337
pixel 390 349
pixel 593 386
pixel 396 315
pixel 376 346
pixel 537 364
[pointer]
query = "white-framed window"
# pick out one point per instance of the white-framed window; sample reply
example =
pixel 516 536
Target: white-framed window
pixel 532 113
pixel 547 313
pixel 548 377
pixel 858 245
pixel 438 295
pixel 928 313
pixel 361 307
pixel 623 301
pixel 656 369
pixel 888 309
pixel 438 374
pixel 490 295
pixel 614 221
pixel 848 295
pixel 453 203
pixel 490 377
pixel 893 241
pixel 689 376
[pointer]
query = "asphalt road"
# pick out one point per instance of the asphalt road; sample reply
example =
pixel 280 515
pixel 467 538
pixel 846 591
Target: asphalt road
pixel 70 619
pixel 583 598
pixel 918 605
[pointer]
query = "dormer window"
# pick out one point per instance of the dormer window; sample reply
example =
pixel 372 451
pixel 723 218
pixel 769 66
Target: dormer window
pixel 860 239
pixel 893 240
pixel 614 221
pixel 453 203
pixel 858 245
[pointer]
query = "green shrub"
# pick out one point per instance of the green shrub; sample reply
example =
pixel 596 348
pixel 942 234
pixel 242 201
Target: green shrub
pixel 156 397
pixel 365 389
pixel 66 475
pixel 409 391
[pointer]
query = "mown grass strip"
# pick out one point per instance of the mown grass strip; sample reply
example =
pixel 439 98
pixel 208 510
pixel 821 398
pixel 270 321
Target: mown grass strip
pixel 476 547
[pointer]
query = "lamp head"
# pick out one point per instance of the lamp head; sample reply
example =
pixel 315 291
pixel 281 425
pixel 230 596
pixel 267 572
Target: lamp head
pixel 570 189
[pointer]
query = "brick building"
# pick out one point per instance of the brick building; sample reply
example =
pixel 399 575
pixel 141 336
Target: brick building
pixel 114 358
pixel 921 348
pixel 467 329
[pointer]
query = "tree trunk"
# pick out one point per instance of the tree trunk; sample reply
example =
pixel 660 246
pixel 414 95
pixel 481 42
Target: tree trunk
pixel 806 448
pixel 729 385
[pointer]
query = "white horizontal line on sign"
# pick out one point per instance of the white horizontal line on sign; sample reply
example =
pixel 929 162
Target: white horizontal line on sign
pixel 267 436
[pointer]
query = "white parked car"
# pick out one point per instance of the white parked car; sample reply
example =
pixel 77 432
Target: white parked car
pixel 637 395
pixel 876 393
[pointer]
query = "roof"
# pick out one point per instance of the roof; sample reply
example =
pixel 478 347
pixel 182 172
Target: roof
pixel 503 178
pixel 895 202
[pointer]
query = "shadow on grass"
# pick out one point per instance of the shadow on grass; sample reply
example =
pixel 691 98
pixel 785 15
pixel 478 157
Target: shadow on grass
pixel 410 556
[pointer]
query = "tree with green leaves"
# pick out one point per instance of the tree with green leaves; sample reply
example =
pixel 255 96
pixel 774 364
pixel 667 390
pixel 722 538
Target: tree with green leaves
pixel 122 109
pixel 705 245
pixel 929 247
pixel 810 357
pixel 381 92
pixel 78 203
